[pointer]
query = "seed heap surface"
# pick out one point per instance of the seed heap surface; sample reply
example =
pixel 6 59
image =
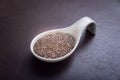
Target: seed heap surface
pixel 54 45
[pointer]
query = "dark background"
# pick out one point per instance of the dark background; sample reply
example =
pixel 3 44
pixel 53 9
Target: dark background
pixel 96 58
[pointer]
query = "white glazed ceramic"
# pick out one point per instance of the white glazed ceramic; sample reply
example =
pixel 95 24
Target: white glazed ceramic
pixel 77 30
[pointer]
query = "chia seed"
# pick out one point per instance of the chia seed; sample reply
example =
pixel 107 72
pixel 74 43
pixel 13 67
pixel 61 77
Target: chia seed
pixel 54 45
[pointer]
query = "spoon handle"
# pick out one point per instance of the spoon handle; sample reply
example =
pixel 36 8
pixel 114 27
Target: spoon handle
pixel 83 24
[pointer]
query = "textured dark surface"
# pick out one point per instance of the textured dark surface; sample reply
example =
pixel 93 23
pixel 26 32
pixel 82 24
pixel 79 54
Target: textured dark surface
pixel 96 58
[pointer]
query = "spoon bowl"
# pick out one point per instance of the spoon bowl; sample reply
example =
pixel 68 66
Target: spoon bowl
pixel 76 30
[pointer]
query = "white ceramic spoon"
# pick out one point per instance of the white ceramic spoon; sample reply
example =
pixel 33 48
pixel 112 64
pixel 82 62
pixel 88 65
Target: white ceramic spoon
pixel 77 30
